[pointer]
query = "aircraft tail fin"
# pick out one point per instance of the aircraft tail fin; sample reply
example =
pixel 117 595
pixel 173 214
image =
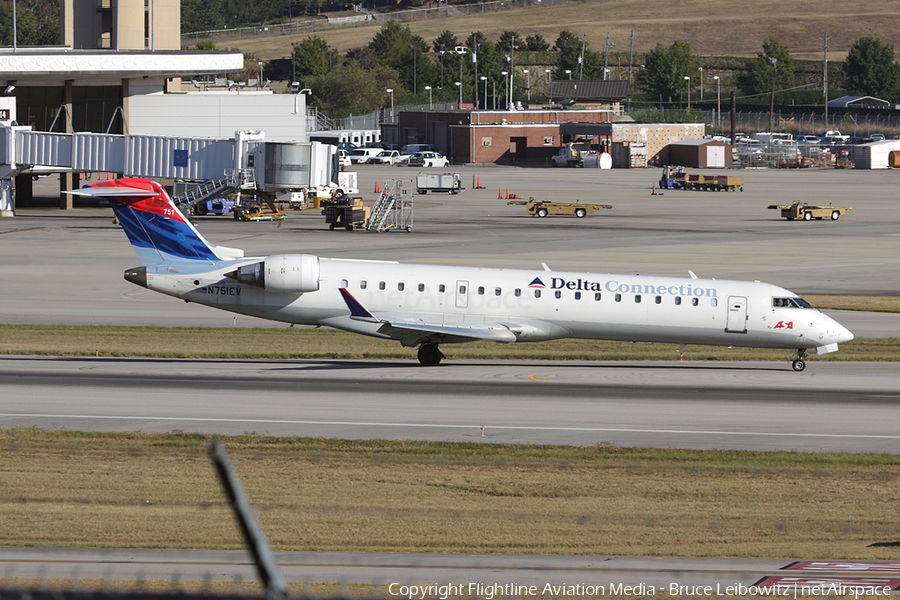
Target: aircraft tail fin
pixel 157 230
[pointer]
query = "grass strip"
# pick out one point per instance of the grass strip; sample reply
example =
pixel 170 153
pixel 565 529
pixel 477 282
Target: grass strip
pixel 78 489
pixel 304 343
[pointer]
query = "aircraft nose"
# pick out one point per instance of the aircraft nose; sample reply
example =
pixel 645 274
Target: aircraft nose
pixel 843 334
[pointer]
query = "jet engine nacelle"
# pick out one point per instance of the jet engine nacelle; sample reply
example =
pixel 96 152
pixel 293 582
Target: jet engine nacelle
pixel 288 273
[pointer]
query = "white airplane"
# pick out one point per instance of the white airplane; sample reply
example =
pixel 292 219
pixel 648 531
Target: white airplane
pixel 429 305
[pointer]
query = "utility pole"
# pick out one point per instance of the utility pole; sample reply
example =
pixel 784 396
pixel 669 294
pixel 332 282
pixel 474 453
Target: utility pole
pixel 631 57
pixel 609 45
pixel 825 39
pixel 774 62
pixel 581 58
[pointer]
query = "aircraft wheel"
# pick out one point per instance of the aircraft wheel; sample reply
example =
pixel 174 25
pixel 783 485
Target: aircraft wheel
pixel 542 212
pixel 835 215
pixel 580 212
pixel 429 355
pixel 798 365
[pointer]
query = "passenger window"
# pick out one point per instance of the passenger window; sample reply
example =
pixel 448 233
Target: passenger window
pixel 481 290
pixel 695 301
pixel 362 284
pixel 401 286
pixel 658 299
pixel 597 296
pixel 715 302
pixel 462 289
pixel 380 285
pixel 518 292
pixel 421 287
pixel 496 291
pixel 677 300
pixel 618 297
pixel 578 295
pixel 441 288
pixel 345 284
pixel 558 294
pixel 637 299
pixel 537 293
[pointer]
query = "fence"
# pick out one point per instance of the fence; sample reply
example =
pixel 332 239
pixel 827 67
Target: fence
pixel 852 123
pixel 443 10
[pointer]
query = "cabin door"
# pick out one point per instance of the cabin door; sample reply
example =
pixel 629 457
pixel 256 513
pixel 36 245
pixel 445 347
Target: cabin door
pixel 737 315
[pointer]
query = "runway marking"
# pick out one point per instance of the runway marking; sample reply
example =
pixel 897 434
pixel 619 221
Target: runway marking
pixel 455 426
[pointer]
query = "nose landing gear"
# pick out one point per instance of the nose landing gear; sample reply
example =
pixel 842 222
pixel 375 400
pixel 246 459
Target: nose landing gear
pixel 798 362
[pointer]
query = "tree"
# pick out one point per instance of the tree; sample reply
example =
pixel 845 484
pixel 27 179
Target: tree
pixel 397 48
pixel 870 69
pixel 757 77
pixel 312 57
pixel 351 89
pixel 536 43
pixel 665 69
pixel 37 23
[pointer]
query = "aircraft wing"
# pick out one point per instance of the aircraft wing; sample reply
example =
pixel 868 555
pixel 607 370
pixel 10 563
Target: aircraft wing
pixel 412 331
pixel 491 332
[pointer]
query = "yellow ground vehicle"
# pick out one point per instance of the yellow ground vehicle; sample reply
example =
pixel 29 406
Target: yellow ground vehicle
pixel 539 208
pixel 808 213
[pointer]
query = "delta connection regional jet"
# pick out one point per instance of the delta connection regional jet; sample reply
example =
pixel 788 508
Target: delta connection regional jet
pixel 428 305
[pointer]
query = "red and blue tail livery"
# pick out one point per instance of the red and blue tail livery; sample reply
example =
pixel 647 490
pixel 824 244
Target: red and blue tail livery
pixel 158 231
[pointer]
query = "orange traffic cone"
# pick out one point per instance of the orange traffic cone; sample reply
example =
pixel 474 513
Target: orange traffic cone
pixel 507 193
pixel 500 194
pixel 653 193
pixel 479 184
pixel 377 187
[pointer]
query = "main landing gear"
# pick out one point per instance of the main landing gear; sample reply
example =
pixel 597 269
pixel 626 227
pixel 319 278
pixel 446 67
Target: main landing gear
pixel 798 362
pixel 429 355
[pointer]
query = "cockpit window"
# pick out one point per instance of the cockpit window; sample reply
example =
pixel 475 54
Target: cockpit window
pixel 790 303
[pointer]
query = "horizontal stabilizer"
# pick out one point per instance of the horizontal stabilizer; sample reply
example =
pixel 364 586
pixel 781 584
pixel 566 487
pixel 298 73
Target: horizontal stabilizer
pixel 107 192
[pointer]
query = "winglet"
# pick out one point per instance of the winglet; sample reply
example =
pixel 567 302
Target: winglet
pixel 358 312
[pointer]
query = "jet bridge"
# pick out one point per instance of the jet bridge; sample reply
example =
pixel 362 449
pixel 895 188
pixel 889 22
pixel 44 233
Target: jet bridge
pixel 24 151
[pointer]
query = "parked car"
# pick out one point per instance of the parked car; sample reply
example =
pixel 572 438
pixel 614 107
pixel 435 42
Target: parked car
pixel 877 137
pixel 807 140
pixel 362 155
pixel 385 157
pixel 428 159
pixel 413 148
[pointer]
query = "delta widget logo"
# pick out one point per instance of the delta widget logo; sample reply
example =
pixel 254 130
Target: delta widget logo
pixel 537 283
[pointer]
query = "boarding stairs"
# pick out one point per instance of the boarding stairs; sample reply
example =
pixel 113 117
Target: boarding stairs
pixel 394 208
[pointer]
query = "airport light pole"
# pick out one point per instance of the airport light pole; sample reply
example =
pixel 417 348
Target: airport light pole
pixel 689 92
pixel 528 82
pixel 430 103
pixel 701 83
pixel 506 79
pixel 259 81
pixel 718 103
pixel 459 85
pixel 569 73
pixel 391 92
pixel 484 79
